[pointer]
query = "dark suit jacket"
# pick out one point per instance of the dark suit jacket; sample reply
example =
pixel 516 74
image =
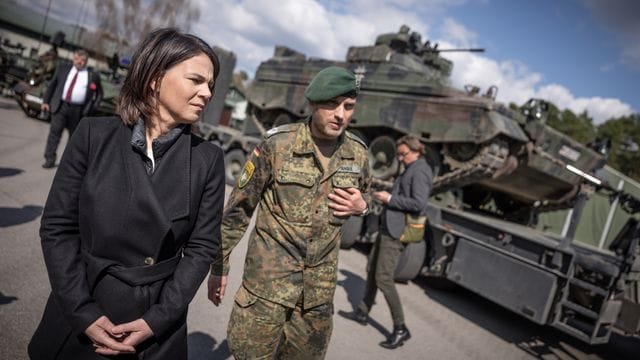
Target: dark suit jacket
pixel 106 220
pixel 409 194
pixel 53 94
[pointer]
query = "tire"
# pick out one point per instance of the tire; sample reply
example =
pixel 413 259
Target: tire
pixel 233 162
pixel 282 119
pixel 411 261
pixel 350 232
pixel 383 162
pixel 434 159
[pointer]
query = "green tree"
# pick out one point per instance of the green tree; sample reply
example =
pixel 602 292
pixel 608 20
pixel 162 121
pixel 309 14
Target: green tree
pixel 128 21
pixel 578 127
pixel 624 133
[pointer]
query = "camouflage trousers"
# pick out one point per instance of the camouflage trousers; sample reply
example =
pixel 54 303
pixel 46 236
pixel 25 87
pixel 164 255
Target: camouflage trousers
pixel 261 329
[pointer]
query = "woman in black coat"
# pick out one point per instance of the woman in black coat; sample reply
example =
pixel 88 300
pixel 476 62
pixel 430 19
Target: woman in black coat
pixel 132 221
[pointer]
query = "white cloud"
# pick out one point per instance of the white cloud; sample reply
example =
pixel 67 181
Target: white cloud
pixel 326 28
pixel 516 82
pixel 457 33
pixel 317 29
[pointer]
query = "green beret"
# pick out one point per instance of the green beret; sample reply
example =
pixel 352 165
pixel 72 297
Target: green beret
pixel 329 83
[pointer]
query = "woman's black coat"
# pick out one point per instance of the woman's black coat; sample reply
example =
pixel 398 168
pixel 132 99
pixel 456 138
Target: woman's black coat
pixel 124 244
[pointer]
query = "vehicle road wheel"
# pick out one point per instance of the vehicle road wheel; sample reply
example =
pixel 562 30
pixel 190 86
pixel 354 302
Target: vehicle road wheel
pixel 282 118
pixel 434 159
pixel 411 261
pixel 233 162
pixel 350 231
pixel 382 157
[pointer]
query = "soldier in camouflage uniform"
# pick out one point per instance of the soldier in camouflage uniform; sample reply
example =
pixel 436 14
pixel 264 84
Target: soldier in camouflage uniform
pixel 306 179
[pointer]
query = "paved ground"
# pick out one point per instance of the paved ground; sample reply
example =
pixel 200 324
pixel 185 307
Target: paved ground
pixel 454 324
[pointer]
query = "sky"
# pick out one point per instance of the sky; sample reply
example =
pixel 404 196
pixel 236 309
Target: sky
pixel 583 55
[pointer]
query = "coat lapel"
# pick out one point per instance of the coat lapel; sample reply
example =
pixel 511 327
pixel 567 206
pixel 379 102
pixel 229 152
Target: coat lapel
pixel 171 179
pixel 149 216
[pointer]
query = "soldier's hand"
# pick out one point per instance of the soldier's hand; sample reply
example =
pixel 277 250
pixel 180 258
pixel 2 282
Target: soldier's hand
pixel 216 286
pixel 44 107
pixel 347 202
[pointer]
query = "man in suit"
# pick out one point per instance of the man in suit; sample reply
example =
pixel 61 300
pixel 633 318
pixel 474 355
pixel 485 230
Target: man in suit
pixel 409 195
pixel 74 92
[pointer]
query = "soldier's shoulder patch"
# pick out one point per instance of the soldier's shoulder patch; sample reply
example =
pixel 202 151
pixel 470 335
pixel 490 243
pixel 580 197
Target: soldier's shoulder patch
pixel 281 129
pixel 356 138
pixel 247 173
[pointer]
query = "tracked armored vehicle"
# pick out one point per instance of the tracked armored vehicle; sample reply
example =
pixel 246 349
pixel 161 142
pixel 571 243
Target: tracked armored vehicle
pixel 505 158
pixel 503 168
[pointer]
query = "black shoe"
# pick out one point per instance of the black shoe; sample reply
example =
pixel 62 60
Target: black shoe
pixel 48 164
pixel 399 336
pixel 358 316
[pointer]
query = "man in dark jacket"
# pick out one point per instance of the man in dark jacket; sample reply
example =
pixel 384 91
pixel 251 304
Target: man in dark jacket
pixel 74 92
pixel 409 195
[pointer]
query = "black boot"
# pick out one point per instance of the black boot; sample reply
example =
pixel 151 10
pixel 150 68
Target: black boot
pixel 357 315
pixel 397 338
pixel 48 164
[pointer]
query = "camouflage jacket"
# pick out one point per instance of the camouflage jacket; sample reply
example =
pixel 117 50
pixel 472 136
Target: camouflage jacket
pixel 293 249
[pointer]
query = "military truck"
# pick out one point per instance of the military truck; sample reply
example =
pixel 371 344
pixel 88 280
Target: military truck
pixel 554 279
pixel 496 169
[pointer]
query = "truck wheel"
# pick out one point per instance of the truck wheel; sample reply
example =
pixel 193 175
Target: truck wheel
pixel 350 231
pixel 233 162
pixel 411 261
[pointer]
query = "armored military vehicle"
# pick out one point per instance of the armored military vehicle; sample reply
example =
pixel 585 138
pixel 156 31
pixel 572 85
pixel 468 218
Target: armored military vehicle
pixel 14 66
pixel 111 85
pixel 30 92
pixel 501 158
pixel 496 168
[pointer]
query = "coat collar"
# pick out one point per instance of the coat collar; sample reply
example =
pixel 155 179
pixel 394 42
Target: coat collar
pixel 159 145
pixel 164 195
pixel 303 143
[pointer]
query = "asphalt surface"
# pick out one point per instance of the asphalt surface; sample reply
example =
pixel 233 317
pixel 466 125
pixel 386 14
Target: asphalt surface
pixel 445 324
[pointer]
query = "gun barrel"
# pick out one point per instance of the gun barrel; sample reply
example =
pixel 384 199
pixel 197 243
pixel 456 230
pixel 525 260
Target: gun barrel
pixel 592 179
pixel 629 203
pixel 460 50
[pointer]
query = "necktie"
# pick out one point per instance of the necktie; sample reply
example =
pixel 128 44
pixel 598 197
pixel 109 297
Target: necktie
pixel 67 97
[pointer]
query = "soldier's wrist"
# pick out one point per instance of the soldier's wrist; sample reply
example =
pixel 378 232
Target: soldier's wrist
pixel 365 211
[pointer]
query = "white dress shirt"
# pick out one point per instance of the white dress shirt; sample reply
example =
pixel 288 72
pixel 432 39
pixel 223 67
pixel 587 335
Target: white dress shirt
pixel 79 91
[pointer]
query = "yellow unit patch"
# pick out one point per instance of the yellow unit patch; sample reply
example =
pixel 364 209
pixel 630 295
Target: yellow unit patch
pixel 247 173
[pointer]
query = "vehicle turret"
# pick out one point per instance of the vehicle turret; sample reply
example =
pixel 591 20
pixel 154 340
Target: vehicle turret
pixel 507 161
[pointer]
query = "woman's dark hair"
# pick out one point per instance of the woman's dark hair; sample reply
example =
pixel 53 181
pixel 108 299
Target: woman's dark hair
pixel 158 52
